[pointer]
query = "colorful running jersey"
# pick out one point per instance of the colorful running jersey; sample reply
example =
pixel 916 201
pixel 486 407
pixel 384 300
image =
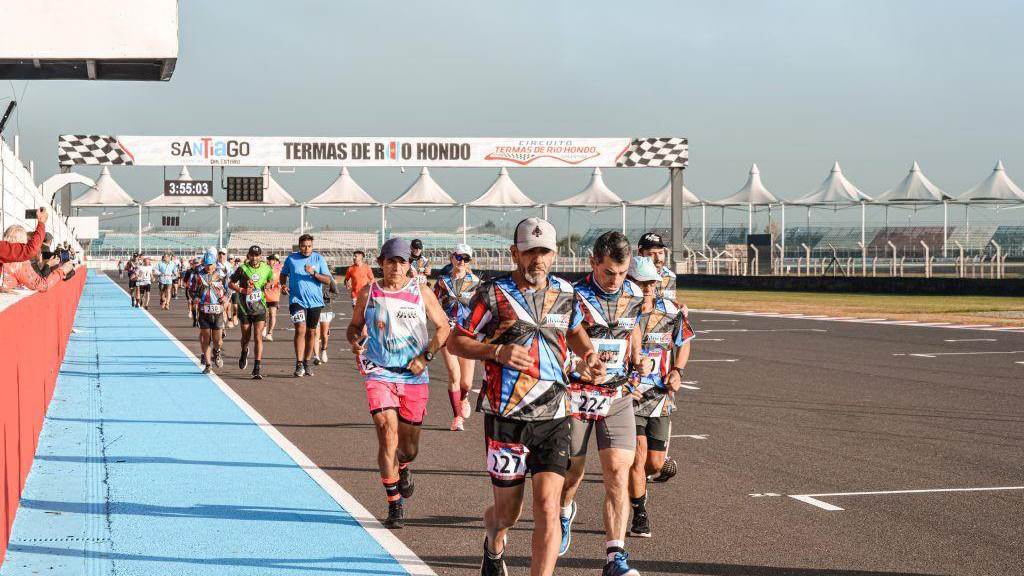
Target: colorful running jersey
pixel 609 320
pixel 665 329
pixel 396 323
pixel 454 294
pixel 667 287
pixel 538 320
pixel 210 291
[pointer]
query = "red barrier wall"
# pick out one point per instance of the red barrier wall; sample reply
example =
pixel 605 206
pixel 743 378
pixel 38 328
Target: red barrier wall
pixel 33 336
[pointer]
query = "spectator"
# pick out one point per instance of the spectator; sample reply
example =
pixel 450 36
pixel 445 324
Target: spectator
pixel 19 252
pixel 23 274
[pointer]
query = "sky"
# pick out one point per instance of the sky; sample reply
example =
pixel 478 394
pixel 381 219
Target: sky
pixel 790 85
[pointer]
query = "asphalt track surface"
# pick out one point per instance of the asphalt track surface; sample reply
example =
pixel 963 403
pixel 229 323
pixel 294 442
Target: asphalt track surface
pixel 783 408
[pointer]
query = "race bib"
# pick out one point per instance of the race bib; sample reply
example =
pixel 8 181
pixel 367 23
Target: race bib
pixel 255 296
pixel 626 323
pixel 212 308
pixel 506 461
pixel 299 317
pixel 662 338
pixel 591 402
pixel 166 279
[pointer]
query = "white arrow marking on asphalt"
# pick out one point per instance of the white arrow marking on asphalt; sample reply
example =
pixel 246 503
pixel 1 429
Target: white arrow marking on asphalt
pixel 694 436
pixel 812 499
pixel 717 360
pixel 934 354
pixel 970 340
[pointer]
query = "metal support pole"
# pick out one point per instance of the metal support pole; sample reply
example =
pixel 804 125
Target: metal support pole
pixel 545 209
pixel 927 260
pixel 220 226
pixel 945 227
pixel 624 220
pixel 782 253
pixel 302 219
pixel 676 179
pixel 863 242
pixel 750 218
pixel 703 224
pixel 140 229
pixel 383 223
pixel 464 224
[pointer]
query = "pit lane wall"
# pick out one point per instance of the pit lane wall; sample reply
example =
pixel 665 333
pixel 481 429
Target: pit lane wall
pixel 34 334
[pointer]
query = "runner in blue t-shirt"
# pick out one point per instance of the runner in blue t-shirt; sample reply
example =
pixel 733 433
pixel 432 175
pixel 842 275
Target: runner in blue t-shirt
pixel 167 270
pixel 301 276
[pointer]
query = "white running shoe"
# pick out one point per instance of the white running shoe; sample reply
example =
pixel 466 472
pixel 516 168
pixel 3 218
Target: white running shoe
pixel 466 408
pixel 457 425
pixel 323 356
pixel 269 337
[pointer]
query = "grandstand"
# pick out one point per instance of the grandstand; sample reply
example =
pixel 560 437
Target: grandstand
pixel 121 244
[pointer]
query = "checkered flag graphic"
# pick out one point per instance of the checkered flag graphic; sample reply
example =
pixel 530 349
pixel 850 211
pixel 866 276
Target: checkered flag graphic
pixel 82 149
pixel 655 152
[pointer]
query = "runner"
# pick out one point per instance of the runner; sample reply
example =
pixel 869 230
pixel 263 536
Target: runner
pixel 519 325
pixel 301 276
pixel 226 270
pixel 419 266
pixel 186 278
pixel 248 282
pixel 611 307
pixel 652 245
pixel 665 335
pixel 144 281
pixel 120 268
pixel 166 270
pixel 133 286
pixel 393 357
pixel 233 304
pixel 454 291
pixel 358 275
pixel 210 294
pixel 322 334
pixel 179 270
pixel 272 293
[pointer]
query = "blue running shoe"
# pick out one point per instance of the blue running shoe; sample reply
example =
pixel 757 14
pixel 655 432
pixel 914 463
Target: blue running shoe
pixel 567 530
pixel 619 566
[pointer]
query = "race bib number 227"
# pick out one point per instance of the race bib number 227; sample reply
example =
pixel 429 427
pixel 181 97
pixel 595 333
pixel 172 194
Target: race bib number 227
pixel 506 461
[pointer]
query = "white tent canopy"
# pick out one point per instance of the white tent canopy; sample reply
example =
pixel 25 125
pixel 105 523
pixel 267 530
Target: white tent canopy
pixel 595 195
pixel 273 195
pixel 503 192
pixel 344 191
pixel 753 192
pixel 834 190
pixel 997 188
pixel 181 201
pixel 107 192
pixel 425 191
pixel 915 187
pixel 50 186
pixel 663 197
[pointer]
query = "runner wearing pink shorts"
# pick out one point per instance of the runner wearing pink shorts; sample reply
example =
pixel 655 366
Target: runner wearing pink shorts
pixel 389 337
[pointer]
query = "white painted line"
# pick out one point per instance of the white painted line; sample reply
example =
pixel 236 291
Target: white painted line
pixel 718 320
pixel 866 320
pixel 712 340
pixel 969 326
pixel 812 499
pixel 715 360
pixel 969 340
pixel 398 550
pixel 897 322
pixel 859 320
pixel 816 502
pixel 689 386
pixel 978 353
pixel 1018 362
pixel 694 436
pixel 763 330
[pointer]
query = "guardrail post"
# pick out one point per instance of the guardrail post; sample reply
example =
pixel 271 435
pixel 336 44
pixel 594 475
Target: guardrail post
pixel 893 267
pixel 757 260
pixel 998 260
pixel 927 261
pixel 807 263
pixel 960 264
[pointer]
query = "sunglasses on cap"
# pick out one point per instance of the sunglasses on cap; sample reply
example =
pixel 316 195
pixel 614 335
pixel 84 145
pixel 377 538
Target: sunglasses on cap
pixel 461 257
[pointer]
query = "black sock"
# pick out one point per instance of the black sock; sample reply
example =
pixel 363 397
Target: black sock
pixel 391 490
pixel 638 503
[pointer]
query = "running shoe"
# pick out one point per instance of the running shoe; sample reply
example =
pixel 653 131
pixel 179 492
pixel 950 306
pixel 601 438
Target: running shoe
pixel 243 358
pixel 457 424
pixel 467 409
pixel 207 369
pixel 316 360
pixel 306 369
pixel 218 359
pixel 641 525
pixel 493 565
pixel 668 470
pixel 323 356
pixel 405 484
pixel 299 370
pixel 256 374
pixel 396 516
pixel 202 360
pixel 269 337
pixel 567 530
pixel 619 566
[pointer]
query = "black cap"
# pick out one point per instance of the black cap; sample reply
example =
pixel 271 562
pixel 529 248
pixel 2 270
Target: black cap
pixel 255 250
pixel 416 244
pixel 650 240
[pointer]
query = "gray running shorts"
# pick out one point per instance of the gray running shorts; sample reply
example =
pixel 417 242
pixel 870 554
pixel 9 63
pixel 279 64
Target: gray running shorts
pixel 617 430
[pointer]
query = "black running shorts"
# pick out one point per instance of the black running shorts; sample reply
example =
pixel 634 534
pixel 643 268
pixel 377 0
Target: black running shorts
pixel 546 443
pixel 311 316
pixel 211 321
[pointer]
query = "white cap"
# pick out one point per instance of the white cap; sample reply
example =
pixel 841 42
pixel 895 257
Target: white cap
pixel 642 269
pixel 464 249
pixel 535 233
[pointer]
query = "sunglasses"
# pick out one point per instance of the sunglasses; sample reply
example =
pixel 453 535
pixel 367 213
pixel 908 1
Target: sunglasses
pixel 461 258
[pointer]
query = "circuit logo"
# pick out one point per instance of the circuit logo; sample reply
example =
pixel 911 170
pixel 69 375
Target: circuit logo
pixel 210 148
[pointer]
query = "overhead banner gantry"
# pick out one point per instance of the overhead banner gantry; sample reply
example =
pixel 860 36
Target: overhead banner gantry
pixel 660 152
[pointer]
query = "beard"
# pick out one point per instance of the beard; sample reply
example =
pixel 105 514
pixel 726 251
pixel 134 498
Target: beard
pixel 535 277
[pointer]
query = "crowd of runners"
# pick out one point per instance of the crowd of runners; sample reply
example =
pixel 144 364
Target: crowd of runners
pixel 562 362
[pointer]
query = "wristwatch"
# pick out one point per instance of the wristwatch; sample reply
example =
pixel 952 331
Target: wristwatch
pixel 428 355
